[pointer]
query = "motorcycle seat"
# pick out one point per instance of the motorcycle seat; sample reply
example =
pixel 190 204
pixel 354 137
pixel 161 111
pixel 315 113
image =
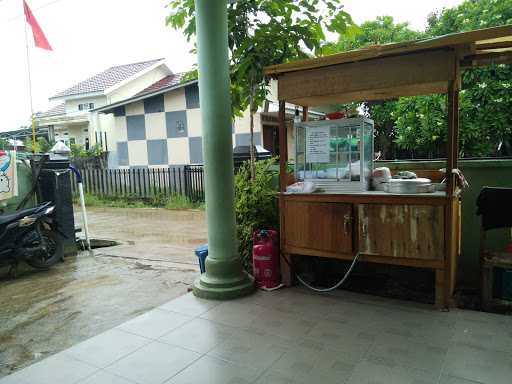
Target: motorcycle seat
pixel 6 219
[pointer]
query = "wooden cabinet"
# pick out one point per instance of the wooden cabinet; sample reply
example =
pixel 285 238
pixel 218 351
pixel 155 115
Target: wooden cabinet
pixel 319 226
pixel 405 231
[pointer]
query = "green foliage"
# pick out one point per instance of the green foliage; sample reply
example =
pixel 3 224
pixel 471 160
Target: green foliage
pixel 485 99
pixel 382 30
pixel 3 143
pixel 177 201
pixel 173 202
pixel 256 205
pixel 41 145
pixel 262 33
pixel 78 150
pixel 419 124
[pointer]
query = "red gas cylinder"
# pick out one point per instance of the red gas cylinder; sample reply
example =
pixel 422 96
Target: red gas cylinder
pixel 265 258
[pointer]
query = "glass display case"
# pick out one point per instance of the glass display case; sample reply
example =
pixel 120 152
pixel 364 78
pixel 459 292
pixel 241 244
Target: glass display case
pixel 337 155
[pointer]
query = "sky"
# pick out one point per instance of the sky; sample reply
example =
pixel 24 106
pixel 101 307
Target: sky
pixel 90 36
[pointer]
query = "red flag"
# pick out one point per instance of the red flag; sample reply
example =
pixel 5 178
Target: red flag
pixel 39 37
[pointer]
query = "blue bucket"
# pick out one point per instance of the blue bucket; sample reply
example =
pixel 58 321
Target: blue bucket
pixel 201 253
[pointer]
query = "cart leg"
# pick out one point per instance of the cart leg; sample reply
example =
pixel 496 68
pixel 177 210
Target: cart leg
pixel 441 286
pixel 286 269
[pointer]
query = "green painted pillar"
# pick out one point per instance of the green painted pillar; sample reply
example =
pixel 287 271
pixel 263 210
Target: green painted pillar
pixel 224 277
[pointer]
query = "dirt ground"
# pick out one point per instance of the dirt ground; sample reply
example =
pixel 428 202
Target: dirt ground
pixel 42 313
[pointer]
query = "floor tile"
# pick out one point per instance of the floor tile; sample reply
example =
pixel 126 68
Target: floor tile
pixel 102 377
pixel 340 336
pixel 153 363
pixel 368 372
pixel 199 335
pixel 479 364
pixel 209 370
pixel 259 351
pixel 234 314
pixel 283 324
pixel 445 379
pixel 189 305
pixel 155 323
pixel 59 368
pixel 400 351
pixel 104 349
pixel 327 366
pixel 493 334
pixel 13 379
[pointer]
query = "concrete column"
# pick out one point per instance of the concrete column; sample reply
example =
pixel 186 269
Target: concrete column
pixel 224 277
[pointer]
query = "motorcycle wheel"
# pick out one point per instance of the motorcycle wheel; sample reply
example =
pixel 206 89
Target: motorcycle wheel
pixel 52 255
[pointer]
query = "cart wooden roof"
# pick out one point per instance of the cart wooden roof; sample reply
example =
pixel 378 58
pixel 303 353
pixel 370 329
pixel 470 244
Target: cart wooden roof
pixel 387 71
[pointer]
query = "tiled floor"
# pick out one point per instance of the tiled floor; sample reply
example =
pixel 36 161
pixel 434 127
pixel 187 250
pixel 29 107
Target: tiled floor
pixel 289 336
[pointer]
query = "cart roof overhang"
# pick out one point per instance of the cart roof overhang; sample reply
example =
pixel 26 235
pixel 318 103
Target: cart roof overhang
pixel 387 71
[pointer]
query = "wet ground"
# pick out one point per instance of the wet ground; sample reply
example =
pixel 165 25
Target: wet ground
pixel 42 313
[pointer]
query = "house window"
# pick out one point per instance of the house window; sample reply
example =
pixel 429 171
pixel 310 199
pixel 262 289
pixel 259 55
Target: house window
pixel 85 106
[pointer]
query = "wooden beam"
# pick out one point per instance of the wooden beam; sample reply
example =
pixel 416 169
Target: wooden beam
pixel 283 151
pixel 495 45
pixel 373 94
pixel 305 113
pixel 406 73
pixel 485 59
pixel 404 48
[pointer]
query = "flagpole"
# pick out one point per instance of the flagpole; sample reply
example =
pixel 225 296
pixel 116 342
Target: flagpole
pixel 33 121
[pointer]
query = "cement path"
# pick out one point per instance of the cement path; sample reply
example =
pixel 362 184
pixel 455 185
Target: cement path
pixel 42 313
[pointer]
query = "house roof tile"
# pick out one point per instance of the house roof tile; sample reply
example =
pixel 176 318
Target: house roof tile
pixel 54 111
pixel 106 79
pixel 168 81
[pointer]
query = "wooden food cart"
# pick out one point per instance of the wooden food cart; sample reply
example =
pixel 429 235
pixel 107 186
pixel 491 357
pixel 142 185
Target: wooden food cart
pixel 417 230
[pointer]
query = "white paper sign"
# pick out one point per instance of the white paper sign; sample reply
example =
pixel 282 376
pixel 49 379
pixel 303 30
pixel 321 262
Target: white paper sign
pixel 317 145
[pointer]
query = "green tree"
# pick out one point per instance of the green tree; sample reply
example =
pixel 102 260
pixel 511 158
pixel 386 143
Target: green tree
pixel 485 98
pixel 41 145
pixel 3 143
pixel 382 30
pixel 263 33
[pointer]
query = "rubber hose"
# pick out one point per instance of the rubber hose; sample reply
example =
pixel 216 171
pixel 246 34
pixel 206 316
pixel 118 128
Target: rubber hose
pixel 337 285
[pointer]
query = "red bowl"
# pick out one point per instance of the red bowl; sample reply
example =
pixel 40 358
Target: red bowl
pixel 335 115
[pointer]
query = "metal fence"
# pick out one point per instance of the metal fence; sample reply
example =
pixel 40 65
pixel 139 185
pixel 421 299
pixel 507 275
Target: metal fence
pixel 144 182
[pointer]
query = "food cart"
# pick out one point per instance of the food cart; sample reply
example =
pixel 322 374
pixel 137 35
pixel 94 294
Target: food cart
pixel 416 230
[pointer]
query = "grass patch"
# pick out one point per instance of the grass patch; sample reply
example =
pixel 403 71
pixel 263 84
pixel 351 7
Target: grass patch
pixel 174 201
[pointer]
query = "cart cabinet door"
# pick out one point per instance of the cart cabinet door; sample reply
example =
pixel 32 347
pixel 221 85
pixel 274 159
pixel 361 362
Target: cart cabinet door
pixel 409 231
pixel 319 226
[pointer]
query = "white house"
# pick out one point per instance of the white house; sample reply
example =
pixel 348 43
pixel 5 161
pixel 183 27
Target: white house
pixel 161 126
pixel 74 120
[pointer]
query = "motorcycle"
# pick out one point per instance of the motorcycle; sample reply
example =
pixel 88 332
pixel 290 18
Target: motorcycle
pixel 29 235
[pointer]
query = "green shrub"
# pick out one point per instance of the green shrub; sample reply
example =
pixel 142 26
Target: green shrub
pixel 175 201
pixel 256 205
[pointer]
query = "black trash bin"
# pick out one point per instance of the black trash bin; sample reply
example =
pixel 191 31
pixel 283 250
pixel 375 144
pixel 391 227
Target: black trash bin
pixel 54 185
pixel 242 153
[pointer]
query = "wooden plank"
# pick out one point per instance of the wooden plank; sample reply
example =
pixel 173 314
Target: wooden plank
pixel 369 76
pixel 283 152
pixel 404 48
pixel 403 231
pixel 319 226
pixel 373 94
pixel 405 262
pixel 384 198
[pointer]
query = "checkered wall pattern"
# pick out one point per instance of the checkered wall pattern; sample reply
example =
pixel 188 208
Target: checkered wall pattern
pixel 163 130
